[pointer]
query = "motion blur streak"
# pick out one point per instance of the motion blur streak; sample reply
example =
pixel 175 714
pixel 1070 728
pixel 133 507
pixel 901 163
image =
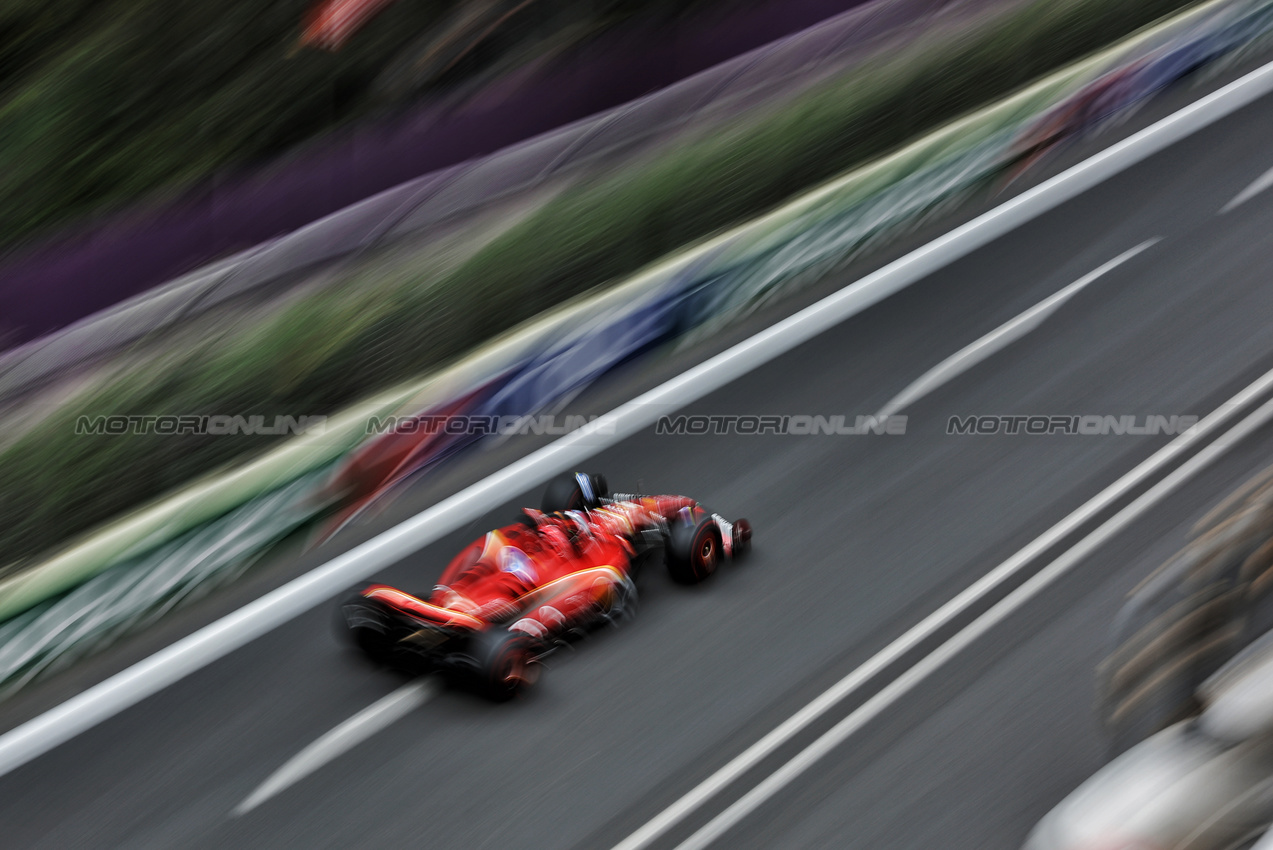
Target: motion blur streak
pixel 1002 336
pixel 87 709
pixel 749 758
pixel 1261 183
pixel 375 717
pixel 872 708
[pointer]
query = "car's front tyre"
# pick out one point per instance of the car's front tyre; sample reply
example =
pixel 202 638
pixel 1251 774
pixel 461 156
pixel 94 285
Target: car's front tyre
pixel 694 551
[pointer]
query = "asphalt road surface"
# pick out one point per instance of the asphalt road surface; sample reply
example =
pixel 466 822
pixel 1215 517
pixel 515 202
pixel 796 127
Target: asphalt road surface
pixel 858 538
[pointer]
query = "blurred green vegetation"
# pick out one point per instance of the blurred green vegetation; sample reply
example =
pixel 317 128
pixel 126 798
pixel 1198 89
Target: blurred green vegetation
pixel 105 102
pixel 340 345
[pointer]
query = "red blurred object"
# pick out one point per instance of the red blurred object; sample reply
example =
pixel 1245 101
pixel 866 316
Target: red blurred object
pixel 330 24
pixel 390 459
pixel 1083 111
pixel 519 591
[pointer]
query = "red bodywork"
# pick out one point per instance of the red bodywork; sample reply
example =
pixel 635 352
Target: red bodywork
pixel 546 575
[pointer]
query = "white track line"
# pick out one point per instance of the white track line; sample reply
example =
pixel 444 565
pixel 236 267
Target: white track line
pixel 384 713
pixel 1001 337
pixel 898 688
pixel 375 717
pixel 1259 185
pixel 147 677
pixel 931 624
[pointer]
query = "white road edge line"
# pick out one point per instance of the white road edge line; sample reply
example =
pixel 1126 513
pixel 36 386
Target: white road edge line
pixel 899 687
pixel 929 626
pixel 379 715
pixel 1265 843
pixel 398 704
pixel 1260 184
pixel 175 662
pixel 1001 337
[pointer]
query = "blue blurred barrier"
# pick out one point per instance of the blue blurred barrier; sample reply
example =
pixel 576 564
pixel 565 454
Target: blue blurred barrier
pixel 709 287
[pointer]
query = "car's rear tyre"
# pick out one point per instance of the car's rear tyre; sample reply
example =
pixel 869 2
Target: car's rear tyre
pixel 382 638
pixel 574 493
pixel 506 663
pixel 694 551
pixel 367 626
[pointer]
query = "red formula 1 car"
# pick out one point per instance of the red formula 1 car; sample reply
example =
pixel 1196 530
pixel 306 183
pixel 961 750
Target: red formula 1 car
pixel 518 592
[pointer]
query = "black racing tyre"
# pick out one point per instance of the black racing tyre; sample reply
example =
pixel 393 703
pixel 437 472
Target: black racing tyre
pixel 382 637
pixel 506 663
pixel 567 493
pixel 694 551
pixel 370 629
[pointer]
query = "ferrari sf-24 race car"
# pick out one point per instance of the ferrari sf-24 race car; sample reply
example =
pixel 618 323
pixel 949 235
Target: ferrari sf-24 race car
pixel 520 591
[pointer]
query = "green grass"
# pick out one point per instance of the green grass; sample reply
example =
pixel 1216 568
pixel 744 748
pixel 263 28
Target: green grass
pixel 339 346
